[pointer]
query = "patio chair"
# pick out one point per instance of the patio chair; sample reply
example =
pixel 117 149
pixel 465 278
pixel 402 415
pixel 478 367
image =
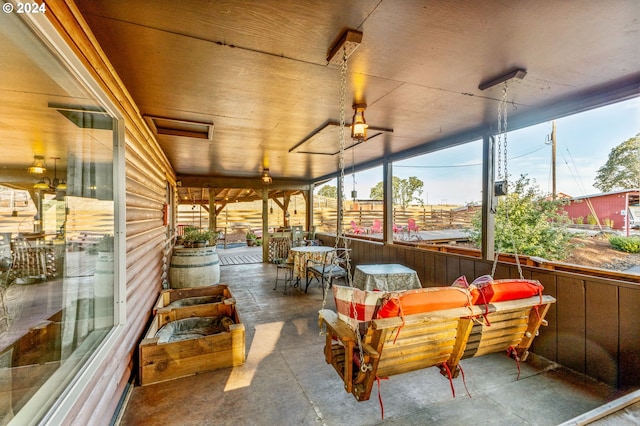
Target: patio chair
pixel 222 237
pixel 284 263
pixel 376 228
pixel 333 265
pixel 411 226
pixel 355 228
pixel 297 235
pixel 397 228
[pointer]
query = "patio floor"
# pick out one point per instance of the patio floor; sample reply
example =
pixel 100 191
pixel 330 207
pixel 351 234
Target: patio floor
pixel 285 379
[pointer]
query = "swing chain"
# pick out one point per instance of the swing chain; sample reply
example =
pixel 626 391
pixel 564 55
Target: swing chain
pixel 340 235
pixel 502 156
pixel 502 133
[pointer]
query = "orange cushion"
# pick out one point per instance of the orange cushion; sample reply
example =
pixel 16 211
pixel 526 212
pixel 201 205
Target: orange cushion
pixel 423 300
pixel 501 290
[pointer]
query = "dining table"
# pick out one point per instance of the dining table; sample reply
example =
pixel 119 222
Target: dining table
pixel 301 254
pixel 385 277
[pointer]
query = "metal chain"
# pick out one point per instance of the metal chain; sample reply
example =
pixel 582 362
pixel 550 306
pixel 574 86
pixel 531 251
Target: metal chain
pixel 502 133
pixel 502 137
pixel 343 100
pixel 499 140
pixel 341 236
pixel 343 97
pixel 504 129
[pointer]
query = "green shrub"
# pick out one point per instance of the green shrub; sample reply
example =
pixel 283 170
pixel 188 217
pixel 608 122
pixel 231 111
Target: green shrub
pixel 591 220
pixel 530 221
pixel 579 220
pixel 626 244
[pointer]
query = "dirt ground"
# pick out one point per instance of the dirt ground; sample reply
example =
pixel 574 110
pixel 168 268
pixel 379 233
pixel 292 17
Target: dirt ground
pixel 596 251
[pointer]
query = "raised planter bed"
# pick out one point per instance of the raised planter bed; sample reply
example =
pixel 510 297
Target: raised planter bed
pixel 160 361
pixel 187 298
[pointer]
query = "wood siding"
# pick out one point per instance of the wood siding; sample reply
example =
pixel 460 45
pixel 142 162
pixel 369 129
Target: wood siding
pixel 146 236
pixel 593 327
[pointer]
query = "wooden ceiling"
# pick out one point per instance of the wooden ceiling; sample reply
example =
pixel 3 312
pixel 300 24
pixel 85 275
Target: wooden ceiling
pixel 257 71
pixel 249 84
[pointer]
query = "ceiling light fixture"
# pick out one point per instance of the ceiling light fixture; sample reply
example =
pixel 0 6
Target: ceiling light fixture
pixel 518 73
pixel 57 184
pixel 266 177
pixel 38 166
pixel 42 185
pixel 359 124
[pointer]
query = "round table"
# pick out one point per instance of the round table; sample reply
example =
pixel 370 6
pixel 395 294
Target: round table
pixel 301 254
pixel 385 277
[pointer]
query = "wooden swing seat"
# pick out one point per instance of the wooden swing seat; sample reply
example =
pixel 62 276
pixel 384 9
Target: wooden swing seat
pixel 402 344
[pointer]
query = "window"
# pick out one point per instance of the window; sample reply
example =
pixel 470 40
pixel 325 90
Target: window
pixel 57 224
pixel 437 195
pixel 592 209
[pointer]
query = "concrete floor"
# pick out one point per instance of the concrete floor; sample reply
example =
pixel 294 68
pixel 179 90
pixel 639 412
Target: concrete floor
pixel 285 379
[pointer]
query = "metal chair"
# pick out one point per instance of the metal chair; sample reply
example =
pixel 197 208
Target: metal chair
pixel 283 263
pixel 333 265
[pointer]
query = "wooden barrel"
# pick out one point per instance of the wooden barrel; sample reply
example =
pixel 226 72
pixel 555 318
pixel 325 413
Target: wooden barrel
pixel 194 267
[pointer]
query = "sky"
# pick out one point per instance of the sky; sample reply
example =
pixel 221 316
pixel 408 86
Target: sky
pixel 584 141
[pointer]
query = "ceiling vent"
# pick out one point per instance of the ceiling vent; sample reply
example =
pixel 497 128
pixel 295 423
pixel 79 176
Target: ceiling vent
pixel 182 128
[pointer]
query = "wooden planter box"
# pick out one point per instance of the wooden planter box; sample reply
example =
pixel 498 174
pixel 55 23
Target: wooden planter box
pixel 167 361
pixel 170 296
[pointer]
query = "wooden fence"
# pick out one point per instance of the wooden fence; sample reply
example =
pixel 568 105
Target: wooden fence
pixel 324 217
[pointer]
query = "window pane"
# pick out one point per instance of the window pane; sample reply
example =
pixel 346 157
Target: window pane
pixel 56 222
pixel 363 210
pixel 325 202
pixel 594 204
pixel 436 195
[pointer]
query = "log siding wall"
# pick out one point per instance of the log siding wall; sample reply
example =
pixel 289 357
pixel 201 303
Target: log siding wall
pixel 594 327
pixel 147 171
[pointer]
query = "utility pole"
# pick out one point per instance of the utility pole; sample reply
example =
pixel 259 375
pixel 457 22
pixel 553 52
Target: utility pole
pixel 553 159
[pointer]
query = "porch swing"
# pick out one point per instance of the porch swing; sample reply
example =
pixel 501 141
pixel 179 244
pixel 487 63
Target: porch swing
pixel 375 335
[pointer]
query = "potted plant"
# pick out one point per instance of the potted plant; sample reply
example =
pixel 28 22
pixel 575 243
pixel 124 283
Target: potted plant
pixel 196 237
pixel 251 238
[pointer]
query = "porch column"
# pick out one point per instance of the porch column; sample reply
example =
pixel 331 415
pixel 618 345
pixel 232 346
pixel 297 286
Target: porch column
pixel 387 203
pixel 213 216
pixel 489 201
pixel 265 225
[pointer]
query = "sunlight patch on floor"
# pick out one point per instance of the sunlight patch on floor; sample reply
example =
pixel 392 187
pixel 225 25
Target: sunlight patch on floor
pixel 264 343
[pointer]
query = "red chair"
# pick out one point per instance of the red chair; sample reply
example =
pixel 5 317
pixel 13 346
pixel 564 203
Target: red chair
pixel 376 228
pixel 411 225
pixel 397 228
pixel 355 228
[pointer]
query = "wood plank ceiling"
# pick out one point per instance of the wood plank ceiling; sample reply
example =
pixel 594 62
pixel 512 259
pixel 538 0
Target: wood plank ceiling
pixel 257 72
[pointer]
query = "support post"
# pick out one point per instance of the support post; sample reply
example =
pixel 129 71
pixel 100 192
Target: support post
pixel 265 225
pixel 489 201
pixel 387 190
pixel 309 208
pixel 213 215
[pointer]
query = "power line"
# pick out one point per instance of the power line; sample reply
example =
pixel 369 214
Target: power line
pixel 467 165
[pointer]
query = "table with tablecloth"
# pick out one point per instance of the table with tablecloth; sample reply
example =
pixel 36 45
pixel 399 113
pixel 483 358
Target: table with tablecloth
pixel 301 254
pixel 385 277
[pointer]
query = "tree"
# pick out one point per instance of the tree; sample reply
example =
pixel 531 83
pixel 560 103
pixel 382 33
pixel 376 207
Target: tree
pixel 328 191
pixel 404 191
pixel 532 221
pixel 622 169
